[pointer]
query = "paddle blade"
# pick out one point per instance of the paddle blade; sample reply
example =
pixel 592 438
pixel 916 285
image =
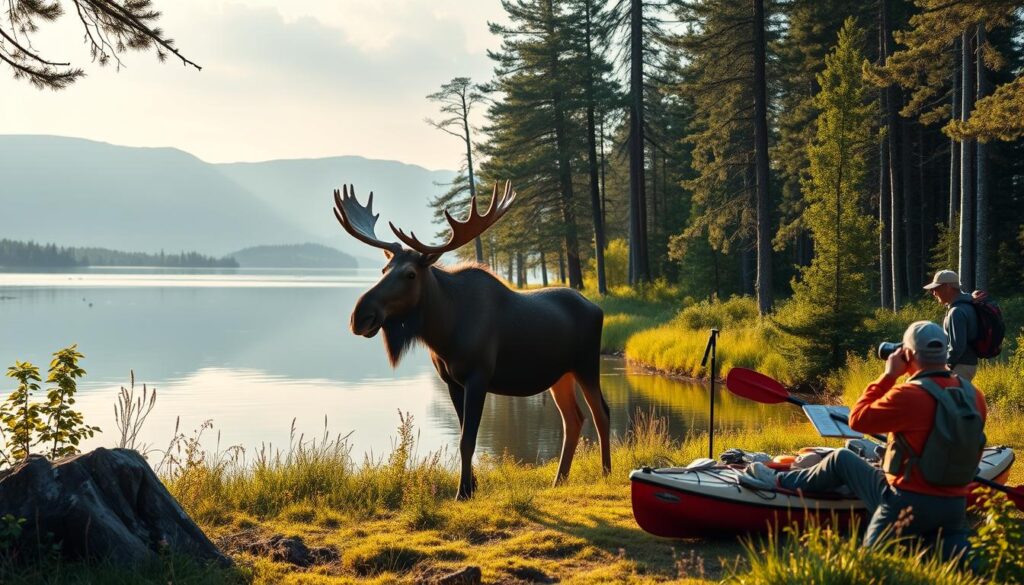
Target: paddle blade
pixel 755 386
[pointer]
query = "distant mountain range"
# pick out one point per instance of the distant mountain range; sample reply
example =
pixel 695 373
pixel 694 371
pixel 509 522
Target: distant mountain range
pixel 77 192
pixel 295 256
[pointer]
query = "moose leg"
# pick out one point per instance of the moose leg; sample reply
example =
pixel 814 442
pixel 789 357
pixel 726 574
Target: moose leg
pixel 458 395
pixel 473 410
pixel 602 420
pixel 564 393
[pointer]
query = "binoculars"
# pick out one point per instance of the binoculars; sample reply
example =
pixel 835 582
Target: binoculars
pixel 886 349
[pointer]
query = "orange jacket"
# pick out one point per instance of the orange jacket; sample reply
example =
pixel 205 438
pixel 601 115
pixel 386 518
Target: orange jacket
pixel 906 409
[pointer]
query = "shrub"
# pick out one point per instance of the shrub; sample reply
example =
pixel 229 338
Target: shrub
pixel 997 545
pixel 53 424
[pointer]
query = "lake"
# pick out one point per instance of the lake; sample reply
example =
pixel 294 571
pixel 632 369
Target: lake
pixel 255 350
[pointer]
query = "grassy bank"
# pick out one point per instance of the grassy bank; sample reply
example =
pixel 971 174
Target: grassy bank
pixel 395 519
pixel 675 344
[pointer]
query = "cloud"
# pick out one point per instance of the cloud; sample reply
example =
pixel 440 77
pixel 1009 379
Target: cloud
pixel 278 81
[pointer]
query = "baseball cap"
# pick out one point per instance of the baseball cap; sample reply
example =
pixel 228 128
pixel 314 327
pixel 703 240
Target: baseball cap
pixel 943 277
pixel 927 340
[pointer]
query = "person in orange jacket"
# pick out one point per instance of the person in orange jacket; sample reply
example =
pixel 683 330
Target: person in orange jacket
pixel 906 411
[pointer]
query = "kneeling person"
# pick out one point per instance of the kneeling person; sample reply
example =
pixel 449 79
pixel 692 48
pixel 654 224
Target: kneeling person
pixel 928 474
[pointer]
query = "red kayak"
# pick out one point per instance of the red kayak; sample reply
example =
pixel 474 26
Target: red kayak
pixel 677 502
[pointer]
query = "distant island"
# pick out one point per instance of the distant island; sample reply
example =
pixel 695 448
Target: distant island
pixel 294 256
pixel 32 255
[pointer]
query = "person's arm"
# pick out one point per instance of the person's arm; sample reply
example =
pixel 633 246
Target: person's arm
pixel 957 335
pixel 884 408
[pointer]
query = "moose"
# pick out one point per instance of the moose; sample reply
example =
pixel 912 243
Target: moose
pixel 482 336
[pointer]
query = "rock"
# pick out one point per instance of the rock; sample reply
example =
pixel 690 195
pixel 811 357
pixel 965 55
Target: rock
pixel 105 504
pixel 464 576
pixel 280 548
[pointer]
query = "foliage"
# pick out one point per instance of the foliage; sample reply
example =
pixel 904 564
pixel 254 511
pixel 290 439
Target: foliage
pixel 818 554
pixel 54 424
pixel 924 63
pixel 616 263
pixel 997 544
pixel 945 251
pixel 823 319
pixel 999 116
pixel 21 417
pixel 736 311
pixel 110 30
pixel 65 428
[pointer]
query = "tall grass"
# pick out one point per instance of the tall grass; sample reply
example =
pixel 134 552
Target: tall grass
pixel 628 310
pixel 821 556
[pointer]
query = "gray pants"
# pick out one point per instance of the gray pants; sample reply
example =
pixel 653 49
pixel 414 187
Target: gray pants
pixel 930 516
pixel 965 371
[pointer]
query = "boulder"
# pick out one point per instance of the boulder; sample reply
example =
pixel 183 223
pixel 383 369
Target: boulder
pixel 106 504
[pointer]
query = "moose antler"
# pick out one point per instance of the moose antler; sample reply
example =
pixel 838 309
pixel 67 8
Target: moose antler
pixel 463 232
pixel 359 220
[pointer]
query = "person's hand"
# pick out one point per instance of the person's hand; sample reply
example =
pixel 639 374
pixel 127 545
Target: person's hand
pixel 979 295
pixel 897 364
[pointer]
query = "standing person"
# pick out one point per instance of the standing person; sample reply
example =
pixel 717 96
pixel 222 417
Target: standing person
pixel 929 475
pixel 960 323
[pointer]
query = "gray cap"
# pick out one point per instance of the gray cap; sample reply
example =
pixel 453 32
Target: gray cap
pixel 943 277
pixel 927 340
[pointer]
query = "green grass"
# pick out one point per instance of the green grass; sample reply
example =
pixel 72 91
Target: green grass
pixel 628 310
pixel 820 556
pixel 394 520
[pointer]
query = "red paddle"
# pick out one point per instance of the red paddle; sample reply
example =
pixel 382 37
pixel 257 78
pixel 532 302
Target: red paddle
pixel 760 388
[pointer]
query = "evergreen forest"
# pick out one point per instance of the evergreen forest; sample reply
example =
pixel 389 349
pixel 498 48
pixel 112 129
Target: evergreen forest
pixel 829 152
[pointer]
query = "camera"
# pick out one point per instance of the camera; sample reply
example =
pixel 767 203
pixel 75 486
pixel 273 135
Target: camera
pixel 886 349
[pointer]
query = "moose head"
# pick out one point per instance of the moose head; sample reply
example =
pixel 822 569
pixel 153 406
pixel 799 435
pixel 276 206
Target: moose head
pixel 392 303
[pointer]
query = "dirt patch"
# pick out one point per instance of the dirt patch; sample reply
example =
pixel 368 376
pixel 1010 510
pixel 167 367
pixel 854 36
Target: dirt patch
pixel 279 548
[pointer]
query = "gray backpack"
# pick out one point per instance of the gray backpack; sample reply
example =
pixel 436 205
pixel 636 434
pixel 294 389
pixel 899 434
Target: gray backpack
pixel 953 449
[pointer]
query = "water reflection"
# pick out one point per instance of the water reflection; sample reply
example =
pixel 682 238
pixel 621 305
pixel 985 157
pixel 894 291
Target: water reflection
pixel 253 350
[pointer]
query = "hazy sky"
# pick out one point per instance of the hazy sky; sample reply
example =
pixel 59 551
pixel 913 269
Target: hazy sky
pixel 302 78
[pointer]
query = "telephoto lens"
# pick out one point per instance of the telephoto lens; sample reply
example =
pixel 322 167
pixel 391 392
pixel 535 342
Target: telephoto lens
pixel 886 349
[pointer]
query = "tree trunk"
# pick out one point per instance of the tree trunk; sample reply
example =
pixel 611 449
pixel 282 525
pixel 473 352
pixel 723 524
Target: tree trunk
pixel 893 103
pixel 572 246
pixel 764 235
pixel 911 208
pixel 561 265
pixel 543 270
pixel 966 259
pixel 884 216
pixel 981 196
pixel 638 265
pixel 469 169
pixel 595 195
pixel 954 145
pixel 604 192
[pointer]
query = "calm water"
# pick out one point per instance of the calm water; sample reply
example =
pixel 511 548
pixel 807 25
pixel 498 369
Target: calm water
pixel 253 350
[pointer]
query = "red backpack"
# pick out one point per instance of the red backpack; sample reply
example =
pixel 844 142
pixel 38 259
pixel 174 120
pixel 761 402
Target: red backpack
pixel 991 328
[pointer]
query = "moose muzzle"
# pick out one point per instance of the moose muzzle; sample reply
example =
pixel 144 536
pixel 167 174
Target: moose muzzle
pixel 366 319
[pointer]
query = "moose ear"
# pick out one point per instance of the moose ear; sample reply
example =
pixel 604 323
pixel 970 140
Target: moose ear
pixel 428 259
pixel 388 254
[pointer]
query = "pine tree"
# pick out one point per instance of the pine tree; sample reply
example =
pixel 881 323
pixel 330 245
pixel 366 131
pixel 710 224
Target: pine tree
pixel 829 304
pixel 457 99
pixel 719 79
pixel 110 29
pixel 589 30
